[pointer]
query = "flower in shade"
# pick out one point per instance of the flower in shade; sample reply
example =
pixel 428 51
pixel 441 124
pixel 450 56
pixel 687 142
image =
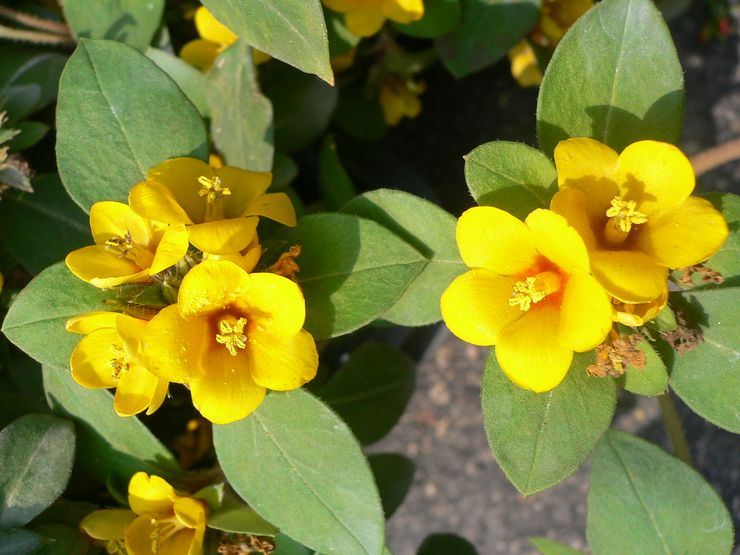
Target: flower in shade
pixel 399 98
pixel 108 357
pixel 365 17
pixel 160 521
pixel 635 214
pixel 231 336
pixel 214 38
pixel 528 292
pixel 219 206
pixel 128 248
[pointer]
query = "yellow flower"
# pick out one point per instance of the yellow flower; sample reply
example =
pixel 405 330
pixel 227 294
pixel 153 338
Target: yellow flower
pixel 399 98
pixel 128 249
pixel 637 314
pixel 556 17
pixel 214 38
pixel 231 336
pixel 635 214
pixel 365 17
pixel 219 206
pixel 528 293
pixel 524 66
pixel 108 357
pixel 160 521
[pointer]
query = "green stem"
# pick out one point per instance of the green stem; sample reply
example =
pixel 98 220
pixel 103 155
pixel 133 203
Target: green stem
pixel 674 428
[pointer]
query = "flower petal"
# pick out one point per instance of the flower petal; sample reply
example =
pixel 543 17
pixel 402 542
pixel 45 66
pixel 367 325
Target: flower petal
pixel 476 306
pixel 585 313
pixel 403 11
pixel 200 53
pixel 245 186
pixel 637 314
pixel 630 276
pixel 589 166
pixel 684 236
pixel 139 539
pixel 171 248
pixel 524 66
pixel 91 321
pixel 156 202
pixel 211 286
pixel 150 494
pixel 491 238
pixel 223 236
pixel 571 204
pixel 276 206
pixel 211 28
pixel 529 353
pixel 274 303
pixel 657 176
pixel 190 512
pixel 91 360
pixel 114 219
pixel 159 395
pixel 107 524
pixel 180 177
pixel 172 347
pixel 102 268
pixel 557 241
pixel 364 21
pixel 227 392
pixel 135 391
pixel 282 363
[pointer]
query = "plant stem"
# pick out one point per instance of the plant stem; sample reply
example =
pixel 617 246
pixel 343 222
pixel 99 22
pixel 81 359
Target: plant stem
pixel 674 428
pixel 35 36
pixel 33 21
pixel 716 156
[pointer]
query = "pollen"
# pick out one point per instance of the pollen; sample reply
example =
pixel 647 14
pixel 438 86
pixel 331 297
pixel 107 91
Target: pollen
pixel 212 188
pixel 624 215
pixel 120 245
pixel 534 289
pixel 232 334
pixel 120 362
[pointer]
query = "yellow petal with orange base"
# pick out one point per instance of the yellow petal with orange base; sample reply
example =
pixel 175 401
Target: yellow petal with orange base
pixel 557 241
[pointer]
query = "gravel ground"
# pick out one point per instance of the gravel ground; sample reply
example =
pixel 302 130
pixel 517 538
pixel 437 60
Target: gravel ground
pixel 458 487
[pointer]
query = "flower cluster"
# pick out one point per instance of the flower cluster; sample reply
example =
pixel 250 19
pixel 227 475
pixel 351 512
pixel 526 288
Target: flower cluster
pixel 364 18
pixel 541 289
pixel 181 257
pixel 160 521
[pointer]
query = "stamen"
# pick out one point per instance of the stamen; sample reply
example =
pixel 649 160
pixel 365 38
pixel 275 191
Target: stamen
pixel 534 289
pixel 622 216
pixel 164 529
pixel 125 247
pixel 212 188
pixel 232 334
pixel 115 547
pixel 120 361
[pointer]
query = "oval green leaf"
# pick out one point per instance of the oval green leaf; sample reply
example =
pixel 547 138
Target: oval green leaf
pixel 652 379
pixel 36 455
pixel 371 391
pixel 118 115
pixel 191 81
pixel 236 517
pixel 539 439
pixel 431 231
pixel 511 176
pixel 29 79
pixel 352 270
pixel 394 474
pixel 298 465
pixel 17 541
pixel 602 80
pixel 290 30
pixel 666 506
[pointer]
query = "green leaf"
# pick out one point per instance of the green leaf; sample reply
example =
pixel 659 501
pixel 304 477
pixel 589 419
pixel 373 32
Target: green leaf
pixel 431 231
pixel 118 115
pixel 63 540
pixel 440 17
pixel 36 319
pixel 727 259
pixel 42 227
pixel 487 31
pixel 241 118
pixel 36 455
pixel 626 99
pixel 650 380
pixel 664 504
pixel 336 186
pixel 371 391
pixel 285 545
pixel 394 474
pixel 352 270
pixel 302 106
pixel 17 541
pixel 341 40
pixel 290 30
pixel 539 439
pixel 236 517
pixel 31 132
pixel 29 79
pixel 706 377
pixel 191 81
pixel 446 544
pixel 109 447
pixel 271 459
pixel 551 547
pixel 511 176
pixel 131 21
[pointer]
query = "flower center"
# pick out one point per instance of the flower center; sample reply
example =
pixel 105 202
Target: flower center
pixel 622 216
pixel 124 247
pixel 232 334
pixel 164 529
pixel 534 289
pixel 212 189
pixel 120 361
pixel 115 547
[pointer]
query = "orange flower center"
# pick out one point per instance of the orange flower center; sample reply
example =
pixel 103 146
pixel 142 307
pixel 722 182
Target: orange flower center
pixel 622 216
pixel 231 334
pixel 534 289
